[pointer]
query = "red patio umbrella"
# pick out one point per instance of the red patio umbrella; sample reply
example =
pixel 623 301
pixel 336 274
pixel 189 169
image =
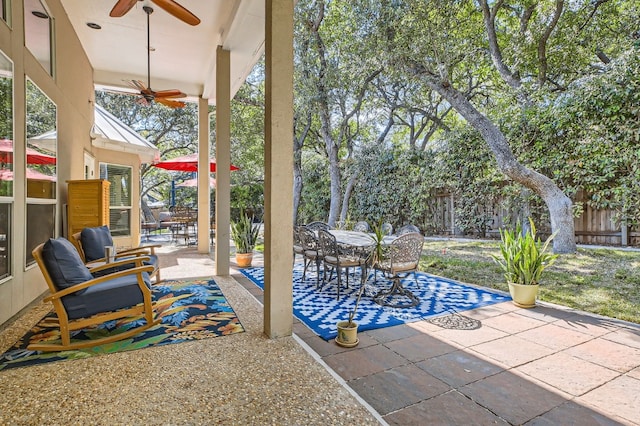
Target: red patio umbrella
pixel 187 163
pixel 33 156
pixel 6 174
pixel 190 183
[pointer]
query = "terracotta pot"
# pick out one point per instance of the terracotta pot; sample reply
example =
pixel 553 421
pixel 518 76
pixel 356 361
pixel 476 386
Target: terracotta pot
pixel 524 296
pixel 243 260
pixel 347 334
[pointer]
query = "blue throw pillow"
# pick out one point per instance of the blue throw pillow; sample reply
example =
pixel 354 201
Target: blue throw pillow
pixel 64 264
pixel 94 240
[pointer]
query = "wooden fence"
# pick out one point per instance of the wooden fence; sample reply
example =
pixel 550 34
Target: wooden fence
pixel 594 226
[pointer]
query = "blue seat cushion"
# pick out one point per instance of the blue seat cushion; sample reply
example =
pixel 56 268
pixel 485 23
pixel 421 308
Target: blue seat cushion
pixel 64 264
pixel 117 293
pixel 94 240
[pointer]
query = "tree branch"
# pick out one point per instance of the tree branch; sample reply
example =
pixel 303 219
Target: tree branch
pixel 542 43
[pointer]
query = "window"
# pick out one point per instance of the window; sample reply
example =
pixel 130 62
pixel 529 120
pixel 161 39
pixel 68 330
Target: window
pixel 5 11
pixel 38 32
pixel 40 169
pixel 6 163
pixel 119 197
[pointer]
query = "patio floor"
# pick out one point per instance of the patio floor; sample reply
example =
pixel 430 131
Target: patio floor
pixel 546 365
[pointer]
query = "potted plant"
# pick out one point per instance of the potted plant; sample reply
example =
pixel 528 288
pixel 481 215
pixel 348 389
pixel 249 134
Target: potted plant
pixel 523 258
pixel 244 234
pixel 348 330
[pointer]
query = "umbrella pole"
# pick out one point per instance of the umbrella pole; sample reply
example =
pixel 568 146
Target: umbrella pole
pixel 173 193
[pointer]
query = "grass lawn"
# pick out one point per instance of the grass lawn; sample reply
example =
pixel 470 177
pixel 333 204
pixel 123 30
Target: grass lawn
pixel 601 281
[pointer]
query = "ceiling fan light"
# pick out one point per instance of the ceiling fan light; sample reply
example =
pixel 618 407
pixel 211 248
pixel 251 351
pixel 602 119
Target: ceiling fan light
pixel 39 14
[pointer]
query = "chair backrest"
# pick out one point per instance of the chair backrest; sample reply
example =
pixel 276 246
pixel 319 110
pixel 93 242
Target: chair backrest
pixel 361 226
pixel 93 241
pixel 307 238
pixel 182 213
pixel 297 240
pixel 407 229
pixel 328 243
pixel 386 228
pixel 405 249
pixel 60 264
pixel 317 225
pixel 75 240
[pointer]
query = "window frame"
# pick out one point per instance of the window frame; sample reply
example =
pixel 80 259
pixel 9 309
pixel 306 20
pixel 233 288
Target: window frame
pixel 9 200
pixel 29 261
pixel 128 230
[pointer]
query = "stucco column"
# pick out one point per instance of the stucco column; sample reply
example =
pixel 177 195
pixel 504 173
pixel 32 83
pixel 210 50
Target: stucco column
pixel 278 159
pixel 223 159
pixel 204 192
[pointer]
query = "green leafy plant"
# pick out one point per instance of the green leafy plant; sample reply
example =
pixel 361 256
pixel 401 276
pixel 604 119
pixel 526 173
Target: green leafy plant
pixel 378 236
pixel 523 257
pixel 244 233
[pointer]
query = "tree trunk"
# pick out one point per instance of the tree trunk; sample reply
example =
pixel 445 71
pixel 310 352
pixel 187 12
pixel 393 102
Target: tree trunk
pixel 336 193
pixel 560 206
pixel 297 187
pixel 347 195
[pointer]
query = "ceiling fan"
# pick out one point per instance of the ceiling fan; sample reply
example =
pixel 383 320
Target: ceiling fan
pixel 147 95
pixel 170 6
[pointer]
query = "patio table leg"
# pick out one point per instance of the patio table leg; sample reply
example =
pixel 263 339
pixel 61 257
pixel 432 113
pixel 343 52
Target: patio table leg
pixel 397 291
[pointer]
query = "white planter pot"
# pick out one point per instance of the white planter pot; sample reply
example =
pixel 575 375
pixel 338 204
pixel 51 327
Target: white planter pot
pixel 524 296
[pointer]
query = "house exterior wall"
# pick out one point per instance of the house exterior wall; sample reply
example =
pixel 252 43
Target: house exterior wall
pixel 71 89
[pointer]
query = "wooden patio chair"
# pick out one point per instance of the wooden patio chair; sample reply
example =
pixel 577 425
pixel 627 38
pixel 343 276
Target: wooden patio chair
pixel 91 241
pixel 81 300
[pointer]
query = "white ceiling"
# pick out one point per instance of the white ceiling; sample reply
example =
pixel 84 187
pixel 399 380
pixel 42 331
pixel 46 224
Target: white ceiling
pixel 183 56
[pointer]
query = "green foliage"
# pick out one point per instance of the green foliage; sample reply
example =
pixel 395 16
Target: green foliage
pixel 523 257
pixel 244 233
pixel 6 104
pixel 247 198
pixel 587 280
pixel 315 193
pixel 41 111
pixel 378 236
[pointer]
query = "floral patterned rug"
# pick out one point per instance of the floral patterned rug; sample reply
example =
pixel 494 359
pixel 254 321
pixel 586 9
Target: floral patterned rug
pixel 189 309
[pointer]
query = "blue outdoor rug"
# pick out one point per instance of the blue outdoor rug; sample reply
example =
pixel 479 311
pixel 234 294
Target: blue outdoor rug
pixel 320 311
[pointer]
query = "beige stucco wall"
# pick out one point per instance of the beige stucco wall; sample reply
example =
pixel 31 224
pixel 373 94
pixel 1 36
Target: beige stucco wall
pixel 71 89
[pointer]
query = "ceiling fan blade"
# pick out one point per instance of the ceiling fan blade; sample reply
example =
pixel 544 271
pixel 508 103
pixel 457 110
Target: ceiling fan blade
pixel 172 93
pixel 170 103
pixel 122 7
pixel 178 11
pixel 119 92
pixel 136 84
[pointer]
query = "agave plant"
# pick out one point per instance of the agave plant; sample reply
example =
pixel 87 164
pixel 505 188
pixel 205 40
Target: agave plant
pixel 523 257
pixel 244 233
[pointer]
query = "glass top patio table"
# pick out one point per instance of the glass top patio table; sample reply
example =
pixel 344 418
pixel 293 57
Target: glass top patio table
pixel 353 238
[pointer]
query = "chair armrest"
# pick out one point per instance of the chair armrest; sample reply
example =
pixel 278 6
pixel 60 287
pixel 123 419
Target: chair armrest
pixel 73 289
pixel 138 261
pixel 141 249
